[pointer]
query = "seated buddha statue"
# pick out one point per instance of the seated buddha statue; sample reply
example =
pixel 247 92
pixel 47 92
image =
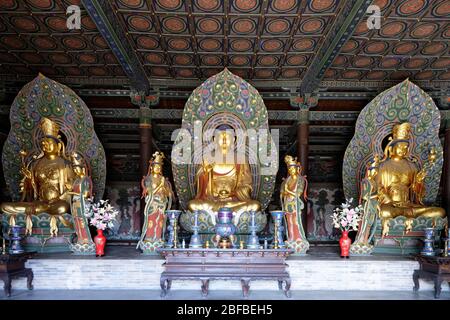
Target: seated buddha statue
pixel 400 185
pixel 224 184
pixel 47 181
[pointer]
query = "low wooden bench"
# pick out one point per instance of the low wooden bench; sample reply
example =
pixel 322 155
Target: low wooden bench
pixel 225 264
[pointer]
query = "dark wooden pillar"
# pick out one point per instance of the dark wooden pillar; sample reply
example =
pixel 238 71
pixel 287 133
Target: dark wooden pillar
pixel 145 131
pixel 303 151
pixel 446 171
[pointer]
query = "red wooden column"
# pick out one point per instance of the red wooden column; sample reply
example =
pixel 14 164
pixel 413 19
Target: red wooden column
pixel 446 170
pixel 303 151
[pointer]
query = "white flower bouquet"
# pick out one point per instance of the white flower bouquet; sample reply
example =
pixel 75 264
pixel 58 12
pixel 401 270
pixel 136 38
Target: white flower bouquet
pixel 100 214
pixel 347 218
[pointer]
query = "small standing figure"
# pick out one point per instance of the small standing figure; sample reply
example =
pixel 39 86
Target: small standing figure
pixel 293 191
pixel 158 194
pixel 82 190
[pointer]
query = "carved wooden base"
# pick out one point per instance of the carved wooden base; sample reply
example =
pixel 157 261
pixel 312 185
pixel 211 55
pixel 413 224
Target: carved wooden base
pixel 244 265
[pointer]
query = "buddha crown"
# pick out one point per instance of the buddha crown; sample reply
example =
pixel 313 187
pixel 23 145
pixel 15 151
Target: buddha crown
pixel 401 131
pixel 49 127
pixel 290 161
pixel 158 158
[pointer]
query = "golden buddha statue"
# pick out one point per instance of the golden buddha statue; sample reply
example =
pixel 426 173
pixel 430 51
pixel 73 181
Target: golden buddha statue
pixel 400 185
pixel 47 182
pixel 224 184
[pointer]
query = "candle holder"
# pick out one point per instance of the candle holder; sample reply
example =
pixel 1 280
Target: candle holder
pixel 428 248
pixel 173 228
pixel 277 217
pixel 253 240
pixel 195 242
pixel 446 250
pixel 14 240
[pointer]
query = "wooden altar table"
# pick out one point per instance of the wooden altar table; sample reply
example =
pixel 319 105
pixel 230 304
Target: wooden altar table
pixel 13 266
pixel 435 268
pixel 225 264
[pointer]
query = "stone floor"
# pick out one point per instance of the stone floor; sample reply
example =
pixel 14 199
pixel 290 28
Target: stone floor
pixel 218 295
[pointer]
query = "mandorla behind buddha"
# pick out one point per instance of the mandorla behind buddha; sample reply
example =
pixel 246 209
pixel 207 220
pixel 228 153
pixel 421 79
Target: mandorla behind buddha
pixel 398 182
pixel 224 184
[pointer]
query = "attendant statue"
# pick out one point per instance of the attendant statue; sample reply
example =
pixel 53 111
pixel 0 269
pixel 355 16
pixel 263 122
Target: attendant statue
pixel 224 184
pixel 293 191
pixel 82 190
pixel 47 182
pixel 158 194
pixel 399 182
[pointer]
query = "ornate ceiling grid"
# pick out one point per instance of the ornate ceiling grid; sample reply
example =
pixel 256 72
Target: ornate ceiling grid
pixel 35 39
pixel 256 39
pixel 189 40
pixel 414 37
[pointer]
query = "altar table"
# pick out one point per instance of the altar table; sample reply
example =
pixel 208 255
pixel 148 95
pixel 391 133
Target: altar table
pixel 13 266
pixel 435 268
pixel 225 264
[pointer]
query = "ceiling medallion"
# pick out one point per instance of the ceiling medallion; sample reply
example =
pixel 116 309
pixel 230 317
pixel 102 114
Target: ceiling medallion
pixel 178 44
pixel 210 44
pixel 182 59
pixel 147 42
pixel 272 45
pixel 268 60
pixel 243 26
pixel 239 60
pixel 209 25
pixel 207 5
pixel 424 30
pixel 174 24
pixel 411 7
pixel 405 48
pixel 304 45
pixel 25 24
pixel 278 26
pixel 241 45
pixel 42 4
pixel 76 43
pixel 321 5
pixel 393 29
pixel 133 4
pixel 312 25
pixel 245 5
pixel 139 23
pixel 434 48
pixel 442 9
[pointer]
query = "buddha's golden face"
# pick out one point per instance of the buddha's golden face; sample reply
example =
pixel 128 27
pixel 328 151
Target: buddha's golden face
pixel 50 146
pixel 224 140
pixel 292 170
pixel 400 149
pixel 157 169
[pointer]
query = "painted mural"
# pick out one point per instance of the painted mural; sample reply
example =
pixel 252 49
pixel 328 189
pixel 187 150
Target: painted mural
pixel 125 196
pixel 322 199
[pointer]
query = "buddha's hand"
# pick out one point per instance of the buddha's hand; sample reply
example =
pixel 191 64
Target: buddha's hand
pixel 206 166
pixel 26 172
pixel 420 176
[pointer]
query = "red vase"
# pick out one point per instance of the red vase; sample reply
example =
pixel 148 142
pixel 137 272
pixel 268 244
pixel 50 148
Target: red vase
pixel 100 241
pixel 345 243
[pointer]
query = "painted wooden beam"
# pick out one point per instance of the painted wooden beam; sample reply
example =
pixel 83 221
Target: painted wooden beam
pixel 103 15
pixel 348 18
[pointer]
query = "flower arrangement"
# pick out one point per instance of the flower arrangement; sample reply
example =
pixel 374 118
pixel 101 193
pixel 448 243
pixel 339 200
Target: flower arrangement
pixel 347 218
pixel 100 214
